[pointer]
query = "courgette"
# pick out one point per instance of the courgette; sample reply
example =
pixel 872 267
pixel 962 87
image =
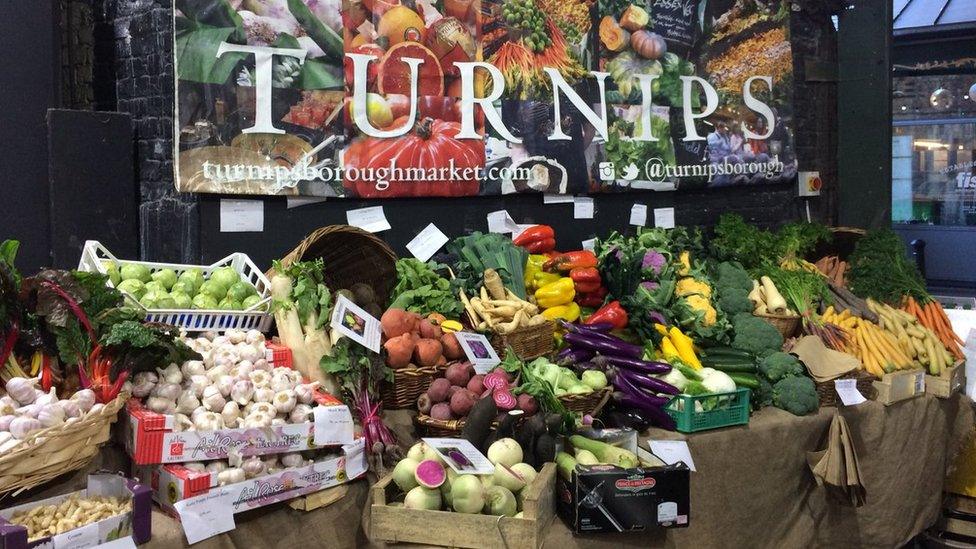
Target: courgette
pixel 745 380
pixel 739 368
pixel 727 352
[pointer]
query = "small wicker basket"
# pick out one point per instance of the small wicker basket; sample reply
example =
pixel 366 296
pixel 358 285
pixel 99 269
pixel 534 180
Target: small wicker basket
pixel 528 342
pixel 865 384
pixel 54 451
pixel 351 255
pixel 587 404
pixel 786 324
pixel 407 385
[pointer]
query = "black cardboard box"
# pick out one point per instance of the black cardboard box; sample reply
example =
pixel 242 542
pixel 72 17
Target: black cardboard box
pixel 605 498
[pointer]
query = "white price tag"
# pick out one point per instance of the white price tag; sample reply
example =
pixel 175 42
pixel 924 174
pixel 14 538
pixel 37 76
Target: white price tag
pixel 241 216
pixel 368 219
pixel 919 383
pixel 333 425
pixel 848 393
pixel 672 451
pixel 479 351
pixel 589 244
pixel 582 207
pixel 501 222
pixel 461 455
pixel 427 242
pixel 354 322
pixel 638 215
pixel 557 199
pixel 355 458
pixel 207 515
pixel 664 218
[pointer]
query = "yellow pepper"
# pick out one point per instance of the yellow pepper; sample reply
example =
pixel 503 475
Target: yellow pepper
pixel 560 292
pixel 685 347
pixel 542 278
pixel 569 312
pixel 533 266
pixel 668 349
pixel 661 329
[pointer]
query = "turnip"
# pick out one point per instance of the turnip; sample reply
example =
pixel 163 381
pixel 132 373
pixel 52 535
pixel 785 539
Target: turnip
pixel 467 494
pixel 500 501
pixel 422 451
pixel 505 451
pixel 527 472
pixel 508 478
pixel 446 487
pixel 430 474
pixel 404 474
pixel 423 498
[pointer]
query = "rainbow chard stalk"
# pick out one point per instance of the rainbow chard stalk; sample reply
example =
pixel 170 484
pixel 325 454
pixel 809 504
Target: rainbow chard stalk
pixel 380 441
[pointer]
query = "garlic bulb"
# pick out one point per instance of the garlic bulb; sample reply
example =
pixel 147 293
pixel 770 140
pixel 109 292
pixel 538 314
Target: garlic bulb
pixel 195 466
pixel 171 374
pixel 249 352
pixel 70 408
pixel 281 383
pixel 182 423
pixel 5 422
pixel 270 462
pixel 143 384
pixel 168 391
pixel 254 336
pixel 192 368
pixel 10 444
pixel 51 415
pixel 253 467
pixel 209 336
pixel 262 364
pixel 260 378
pixel 208 421
pixel 300 413
pixel 235 336
pixel 43 399
pixel 257 420
pixel 230 413
pixel 187 403
pixel 21 389
pixel 197 385
pixel 242 391
pixel 263 394
pixel 161 405
pixel 264 408
pixel 224 385
pixel 292 460
pixel 278 421
pixel 85 399
pixel 284 401
pixel 212 399
pixel 21 427
pixel 232 475
pixel 8 405
pixel 31 410
pixel 96 409
pixel 217 466
pixel 306 392
pixel 214 373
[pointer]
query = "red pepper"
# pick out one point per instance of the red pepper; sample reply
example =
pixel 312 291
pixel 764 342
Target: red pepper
pixel 611 312
pixel 568 261
pixel 592 299
pixel 587 287
pixel 537 239
pixel 586 279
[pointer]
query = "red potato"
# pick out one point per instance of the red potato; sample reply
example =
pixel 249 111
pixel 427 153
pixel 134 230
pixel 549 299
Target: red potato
pixel 427 352
pixel 399 350
pixel 396 322
pixel 452 349
pixel 429 330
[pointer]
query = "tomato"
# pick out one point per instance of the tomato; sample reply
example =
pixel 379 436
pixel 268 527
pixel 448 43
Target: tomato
pixel 429 146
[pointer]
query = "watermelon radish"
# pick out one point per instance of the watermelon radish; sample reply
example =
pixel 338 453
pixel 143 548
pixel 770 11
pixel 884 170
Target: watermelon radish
pixel 430 474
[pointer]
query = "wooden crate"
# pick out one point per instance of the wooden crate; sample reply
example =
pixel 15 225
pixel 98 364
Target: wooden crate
pixel 947 383
pixel 317 500
pixel 959 517
pixel 900 385
pixel 447 529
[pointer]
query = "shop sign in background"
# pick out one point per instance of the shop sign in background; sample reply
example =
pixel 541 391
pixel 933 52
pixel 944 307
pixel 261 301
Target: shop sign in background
pixel 316 97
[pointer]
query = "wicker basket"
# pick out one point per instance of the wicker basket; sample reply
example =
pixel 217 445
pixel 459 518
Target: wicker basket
pixel 786 324
pixel 351 255
pixel 865 384
pixel 407 385
pixel 587 404
pixel 57 450
pixel 528 343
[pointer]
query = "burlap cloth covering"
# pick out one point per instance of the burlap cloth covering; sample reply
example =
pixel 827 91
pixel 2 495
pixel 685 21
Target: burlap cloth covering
pixel 753 487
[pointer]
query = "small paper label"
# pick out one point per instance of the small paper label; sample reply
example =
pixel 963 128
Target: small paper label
pixel 241 216
pixel 299 201
pixel 355 458
pixel 461 455
pixel 557 199
pixel 425 245
pixel 478 350
pixel 353 322
pixel 638 215
pixel 500 222
pixel 333 425
pixel 667 511
pixel 589 244
pixel 664 218
pixel 79 538
pixel 207 515
pixel 848 393
pixel 919 383
pixel 672 451
pixel 368 219
pixel 582 207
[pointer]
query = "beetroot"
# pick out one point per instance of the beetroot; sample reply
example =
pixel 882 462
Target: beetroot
pixel 430 473
pixel 500 370
pixel 438 390
pixel 496 380
pixel 504 400
pixel 527 404
pixel 442 411
pixel 452 390
pixel 457 374
pixel 471 371
pixel 462 402
pixel 476 385
pixel 424 403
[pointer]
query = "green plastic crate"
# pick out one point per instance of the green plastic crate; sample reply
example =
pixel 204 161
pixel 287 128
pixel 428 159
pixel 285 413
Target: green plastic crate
pixel 733 410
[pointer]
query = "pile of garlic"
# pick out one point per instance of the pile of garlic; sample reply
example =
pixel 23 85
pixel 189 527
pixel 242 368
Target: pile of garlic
pixel 250 467
pixel 26 409
pixel 234 386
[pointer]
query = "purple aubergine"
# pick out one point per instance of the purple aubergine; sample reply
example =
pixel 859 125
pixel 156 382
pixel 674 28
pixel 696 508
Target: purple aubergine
pixel 647 398
pixel 639 366
pixel 601 344
pixel 646 382
pixel 573 356
pixel 597 327
pixel 625 385
pixel 656 414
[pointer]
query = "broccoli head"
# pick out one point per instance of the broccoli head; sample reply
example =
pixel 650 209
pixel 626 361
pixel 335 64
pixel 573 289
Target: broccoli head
pixel 797 395
pixel 755 335
pixel 780 365
pixel 732 275
pixel 733 301
pixel 763 396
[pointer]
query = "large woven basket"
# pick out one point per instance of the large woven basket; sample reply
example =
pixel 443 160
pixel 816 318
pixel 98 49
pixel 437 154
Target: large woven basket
pixel 587 404
pixel 786 324
pixel 51 452
pixel 528 342
pixel 351 255
pixel 865 384
pixel 407 385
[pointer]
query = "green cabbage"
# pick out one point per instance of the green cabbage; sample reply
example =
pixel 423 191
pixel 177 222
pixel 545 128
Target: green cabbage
pixel 166 277
pixel 133 287
pixel 214 289
pixel 225 276
pixel 204 301
pixel 132 271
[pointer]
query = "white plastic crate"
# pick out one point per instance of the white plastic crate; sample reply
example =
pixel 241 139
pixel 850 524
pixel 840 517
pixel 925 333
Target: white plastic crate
pixel 194 320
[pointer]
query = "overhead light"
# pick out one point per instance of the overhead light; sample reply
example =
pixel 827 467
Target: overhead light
pixel 960 147
pixel 930 144
pixel 904 107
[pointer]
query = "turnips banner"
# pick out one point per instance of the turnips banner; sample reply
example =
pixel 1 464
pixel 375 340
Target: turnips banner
pixel 393 98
